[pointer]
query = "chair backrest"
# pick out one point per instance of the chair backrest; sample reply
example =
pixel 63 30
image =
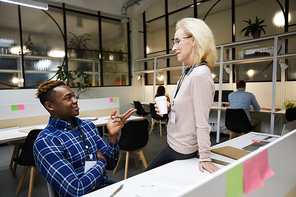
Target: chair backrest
pixel 154 115
pixel 290 114
pixel 26 157
pixel 139 107
pixel 237 120
pixel 134 135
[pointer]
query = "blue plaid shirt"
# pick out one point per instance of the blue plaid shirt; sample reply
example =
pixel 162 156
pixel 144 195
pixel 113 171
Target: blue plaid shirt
pixel 60 156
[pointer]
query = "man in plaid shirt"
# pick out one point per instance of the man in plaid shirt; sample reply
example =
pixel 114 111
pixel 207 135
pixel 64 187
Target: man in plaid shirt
pixel 69 152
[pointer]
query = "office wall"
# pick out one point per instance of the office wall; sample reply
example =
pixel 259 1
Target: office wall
pixel 9 97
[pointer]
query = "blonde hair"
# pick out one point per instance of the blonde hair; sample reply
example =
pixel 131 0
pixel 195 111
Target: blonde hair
pixel 204 43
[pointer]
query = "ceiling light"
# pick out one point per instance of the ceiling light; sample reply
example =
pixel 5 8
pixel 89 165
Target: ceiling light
pixel 228 70
pixel 279 19
pixel 160 77
pixel 250 73
pixel 283 65
pixel 56 53
pixel 28 3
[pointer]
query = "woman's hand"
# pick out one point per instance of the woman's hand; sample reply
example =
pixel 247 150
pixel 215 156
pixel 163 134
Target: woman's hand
pixel 157 110
pixel 116 123
pixel 208 166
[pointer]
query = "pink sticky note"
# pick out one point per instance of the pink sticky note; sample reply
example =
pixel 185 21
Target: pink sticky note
pixel 21 107
pixel 251 175
pixel 253 140
pixel 111 100
pixel 263 165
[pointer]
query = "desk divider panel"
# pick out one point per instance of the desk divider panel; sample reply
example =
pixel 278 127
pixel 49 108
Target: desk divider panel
pixel 282 161
pixel 27 114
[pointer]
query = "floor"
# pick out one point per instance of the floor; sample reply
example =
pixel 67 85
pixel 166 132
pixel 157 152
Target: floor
pixel 9 182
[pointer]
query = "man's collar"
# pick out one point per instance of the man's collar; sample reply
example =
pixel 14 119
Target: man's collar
pixel 61 124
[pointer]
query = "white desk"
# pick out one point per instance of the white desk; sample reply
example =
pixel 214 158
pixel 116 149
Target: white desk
pixel 11 134
pixel 183 170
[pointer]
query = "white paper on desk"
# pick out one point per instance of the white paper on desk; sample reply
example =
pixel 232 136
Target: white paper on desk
pixel 164 186
pixel 155 191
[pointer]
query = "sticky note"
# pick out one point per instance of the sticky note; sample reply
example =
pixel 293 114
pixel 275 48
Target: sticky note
pixel 234 181
pixel 115 100
pixel 251 175
pixel 253 140
pixel 263 165
pixel 21 107
pixel 111 100
pixel 14 108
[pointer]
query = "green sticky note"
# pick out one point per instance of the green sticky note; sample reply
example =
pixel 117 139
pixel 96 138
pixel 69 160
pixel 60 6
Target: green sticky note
pixel 14 107
pixel 115 100
pixel 234 181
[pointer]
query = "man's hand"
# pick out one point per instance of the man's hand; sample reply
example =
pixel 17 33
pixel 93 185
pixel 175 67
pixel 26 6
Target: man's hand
pixel 116 123
pixel 100 155
pixel 208 166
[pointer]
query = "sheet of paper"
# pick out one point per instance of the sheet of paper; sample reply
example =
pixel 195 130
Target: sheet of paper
pixel 155 191
pixel 251 175
pixel 263 165
pixel 234 181
pixel 173 183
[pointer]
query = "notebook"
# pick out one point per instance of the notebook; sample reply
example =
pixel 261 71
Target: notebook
pixel 231 152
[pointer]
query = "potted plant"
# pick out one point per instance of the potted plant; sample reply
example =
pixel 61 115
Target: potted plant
pixel 83 80
pixel 290 106
pixel 254 28
pixel 79 44
pixel 29 44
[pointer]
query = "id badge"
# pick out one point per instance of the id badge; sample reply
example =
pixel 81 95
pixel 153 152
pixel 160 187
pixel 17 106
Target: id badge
pixel 88 165
pixel 172 118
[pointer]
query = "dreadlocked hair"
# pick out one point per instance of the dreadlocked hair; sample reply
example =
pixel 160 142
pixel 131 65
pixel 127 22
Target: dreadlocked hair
pixel 45 91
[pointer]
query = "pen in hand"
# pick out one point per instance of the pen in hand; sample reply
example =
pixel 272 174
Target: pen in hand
pixel 121 186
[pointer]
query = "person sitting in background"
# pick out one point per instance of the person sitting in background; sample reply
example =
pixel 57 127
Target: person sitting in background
pixel 69 152
pixel 161 92
pixel 242 99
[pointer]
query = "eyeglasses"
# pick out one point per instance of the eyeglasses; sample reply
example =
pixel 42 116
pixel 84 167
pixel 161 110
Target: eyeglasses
pixel 178 40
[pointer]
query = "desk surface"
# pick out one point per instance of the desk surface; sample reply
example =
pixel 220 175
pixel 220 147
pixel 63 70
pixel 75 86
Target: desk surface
pixel 11 134
pixel 182 173
pixel 263 110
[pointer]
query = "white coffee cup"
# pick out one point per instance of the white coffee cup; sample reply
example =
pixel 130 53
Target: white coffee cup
pixel 161 101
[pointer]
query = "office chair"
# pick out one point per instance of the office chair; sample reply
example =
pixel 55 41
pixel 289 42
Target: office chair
pixel 157 118
pixel 134 136
pixel 18 145
pixel 290 114
pixel 237 122
pixel 26 159
pixel 51 191
pixel 140 110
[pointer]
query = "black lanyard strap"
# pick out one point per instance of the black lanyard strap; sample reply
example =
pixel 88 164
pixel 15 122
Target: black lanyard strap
pixel 187 71
pixel 84 142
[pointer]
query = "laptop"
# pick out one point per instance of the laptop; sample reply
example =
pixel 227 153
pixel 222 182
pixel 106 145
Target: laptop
pixel 290 126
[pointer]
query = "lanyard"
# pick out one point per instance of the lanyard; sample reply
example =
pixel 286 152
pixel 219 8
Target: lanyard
pixel 84 142
pixel 187 71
